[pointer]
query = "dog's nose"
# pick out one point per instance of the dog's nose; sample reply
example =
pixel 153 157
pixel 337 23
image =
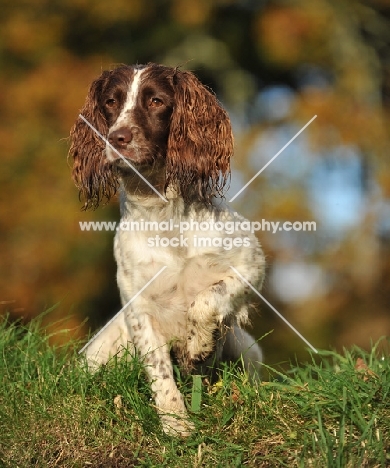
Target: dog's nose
pixel 120 138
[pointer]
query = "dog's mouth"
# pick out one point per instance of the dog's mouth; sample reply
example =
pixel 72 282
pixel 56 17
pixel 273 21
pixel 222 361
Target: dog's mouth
pixel 124 166
pixel 125 157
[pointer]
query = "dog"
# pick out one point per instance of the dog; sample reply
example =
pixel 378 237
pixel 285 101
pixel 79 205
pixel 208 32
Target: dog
pixel 160 137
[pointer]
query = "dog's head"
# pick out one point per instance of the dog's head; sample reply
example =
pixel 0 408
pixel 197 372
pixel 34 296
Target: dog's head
pixel 146 115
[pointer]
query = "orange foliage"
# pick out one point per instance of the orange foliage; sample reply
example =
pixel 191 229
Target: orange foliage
pixel 190 13
pixel 54 50
pixel 288 35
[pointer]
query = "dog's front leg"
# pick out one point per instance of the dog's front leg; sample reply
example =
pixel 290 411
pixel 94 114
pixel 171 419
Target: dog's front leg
pixel 219 304
pixel 153 348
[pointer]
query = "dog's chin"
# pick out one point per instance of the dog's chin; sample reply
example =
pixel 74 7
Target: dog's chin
pixel 126 163
pixel 152 169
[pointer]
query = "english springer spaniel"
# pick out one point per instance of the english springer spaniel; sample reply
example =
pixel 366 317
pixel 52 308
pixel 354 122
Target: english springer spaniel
pixel 163 139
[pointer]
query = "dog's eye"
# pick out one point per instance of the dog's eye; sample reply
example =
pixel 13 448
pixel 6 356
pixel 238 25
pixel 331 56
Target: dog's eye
pixel 110 103
pixel 155 102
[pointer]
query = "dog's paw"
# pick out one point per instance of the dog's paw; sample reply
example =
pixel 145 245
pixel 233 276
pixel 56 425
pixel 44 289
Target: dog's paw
pixel 177 425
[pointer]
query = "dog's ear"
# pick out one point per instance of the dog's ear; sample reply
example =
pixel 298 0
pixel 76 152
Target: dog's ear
pixel 91 174
pixel 200 142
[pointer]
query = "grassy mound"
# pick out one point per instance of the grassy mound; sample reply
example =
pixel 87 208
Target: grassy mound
pixel 332 412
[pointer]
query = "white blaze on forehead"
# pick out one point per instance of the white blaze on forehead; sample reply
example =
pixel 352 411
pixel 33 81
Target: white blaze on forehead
pixel 131 98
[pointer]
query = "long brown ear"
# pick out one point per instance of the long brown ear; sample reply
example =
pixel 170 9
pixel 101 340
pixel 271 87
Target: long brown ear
pixel 200 141
pixel 93 177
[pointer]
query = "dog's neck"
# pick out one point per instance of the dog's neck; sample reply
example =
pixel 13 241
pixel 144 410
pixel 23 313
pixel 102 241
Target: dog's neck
pixel 137 197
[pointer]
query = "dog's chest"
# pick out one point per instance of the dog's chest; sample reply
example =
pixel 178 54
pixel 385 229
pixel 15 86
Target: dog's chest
pixel 184 276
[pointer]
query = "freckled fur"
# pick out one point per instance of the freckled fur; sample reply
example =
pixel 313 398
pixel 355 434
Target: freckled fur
pixel 182 144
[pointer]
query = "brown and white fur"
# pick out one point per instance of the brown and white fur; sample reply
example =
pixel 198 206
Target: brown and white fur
pixel 173 130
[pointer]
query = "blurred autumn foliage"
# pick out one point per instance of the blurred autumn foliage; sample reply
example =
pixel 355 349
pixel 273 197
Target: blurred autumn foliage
pixel 274 65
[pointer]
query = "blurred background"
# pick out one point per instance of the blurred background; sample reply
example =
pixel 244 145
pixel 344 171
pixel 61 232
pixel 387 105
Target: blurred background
pixel 274 65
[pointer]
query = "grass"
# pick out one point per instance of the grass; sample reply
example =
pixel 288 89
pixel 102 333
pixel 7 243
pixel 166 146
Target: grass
pixel 331 412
